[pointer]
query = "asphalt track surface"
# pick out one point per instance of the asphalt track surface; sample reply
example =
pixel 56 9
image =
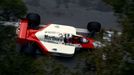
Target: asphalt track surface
pixel 75 13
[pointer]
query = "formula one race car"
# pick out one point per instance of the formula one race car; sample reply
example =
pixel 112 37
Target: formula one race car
pixel 55 39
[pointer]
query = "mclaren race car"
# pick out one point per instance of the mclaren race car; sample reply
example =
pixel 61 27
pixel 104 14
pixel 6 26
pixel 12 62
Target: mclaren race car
pixel 55 39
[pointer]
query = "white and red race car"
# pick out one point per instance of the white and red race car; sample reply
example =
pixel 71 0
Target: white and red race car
pixel 55 39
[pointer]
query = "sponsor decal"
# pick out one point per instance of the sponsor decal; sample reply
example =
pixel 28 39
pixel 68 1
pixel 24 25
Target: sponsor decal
pixel 59 39
pixel 48 37
pixel 53 38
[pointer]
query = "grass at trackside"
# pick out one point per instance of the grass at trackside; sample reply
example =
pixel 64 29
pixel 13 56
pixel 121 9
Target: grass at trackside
pixel 7 38
pixel 12 62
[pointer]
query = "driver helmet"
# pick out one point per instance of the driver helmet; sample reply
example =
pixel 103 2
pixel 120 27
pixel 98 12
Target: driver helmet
pixel 83 40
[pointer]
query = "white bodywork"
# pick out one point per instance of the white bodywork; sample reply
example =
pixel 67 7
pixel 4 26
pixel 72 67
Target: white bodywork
pixel 52 37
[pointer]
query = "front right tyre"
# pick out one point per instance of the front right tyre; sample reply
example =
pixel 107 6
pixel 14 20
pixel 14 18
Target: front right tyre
pixel 33 20
pixel 94 26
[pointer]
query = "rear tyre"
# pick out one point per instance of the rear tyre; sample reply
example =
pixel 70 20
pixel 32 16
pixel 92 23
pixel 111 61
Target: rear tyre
pixel 33 20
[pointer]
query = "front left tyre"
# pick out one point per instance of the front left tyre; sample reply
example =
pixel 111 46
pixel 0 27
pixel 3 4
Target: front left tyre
pixel 94 26
pixel 29 49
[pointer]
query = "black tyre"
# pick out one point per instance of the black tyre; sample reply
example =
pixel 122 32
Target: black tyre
pixel 29 49
pixel 33 20
pixel 94 26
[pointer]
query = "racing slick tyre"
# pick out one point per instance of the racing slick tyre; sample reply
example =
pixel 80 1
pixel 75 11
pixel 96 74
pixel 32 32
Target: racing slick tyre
pixel 33 20
pixel 94 26
pixel 29 49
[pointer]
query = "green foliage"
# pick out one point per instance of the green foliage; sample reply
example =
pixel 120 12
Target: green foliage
pixel 128 28
pixel 12 9
pixel 128 69
pixel 7 39
pixel 12 63
pixel 111 64
pixel 53 67
pixel 118 5
pixel 123 65
pixel 19 65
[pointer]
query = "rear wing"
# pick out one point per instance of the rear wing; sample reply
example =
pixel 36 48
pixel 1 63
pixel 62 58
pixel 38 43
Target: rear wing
pixel 22 30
